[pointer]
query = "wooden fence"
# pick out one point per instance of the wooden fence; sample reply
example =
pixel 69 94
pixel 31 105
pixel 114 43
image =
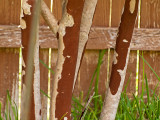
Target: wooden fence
pixel 146 38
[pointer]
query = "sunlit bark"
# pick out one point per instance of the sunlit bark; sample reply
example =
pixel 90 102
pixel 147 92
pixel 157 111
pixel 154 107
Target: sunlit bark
pixel 120 61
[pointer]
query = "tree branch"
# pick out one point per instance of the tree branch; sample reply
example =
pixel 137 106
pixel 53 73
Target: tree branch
pixel 49 18
pixel 86 22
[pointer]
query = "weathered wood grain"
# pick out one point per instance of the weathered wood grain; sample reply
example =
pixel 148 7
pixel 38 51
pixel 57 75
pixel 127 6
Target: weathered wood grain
pixel 10 12
pixel 54 54
pixel 101 16
pixel 57 9
pixel 44 56
pixel 153 58
pixel 150 14
pixel 130 79
pixel 88 66
pixel 99 38
pixel 9 76
pixel 150 18
pixel 117 9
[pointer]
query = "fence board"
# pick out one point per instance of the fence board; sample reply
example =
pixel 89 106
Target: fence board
pixel 57 9
pixel 99 38
pixel 117 6
pixel 44 56
pixel 88 66
pixel 101 16
pixel 150 18
pixel 131 74
pixel 150 14
pixel 54 56
pixel 153 58
pixel 10 11
pixel 9 75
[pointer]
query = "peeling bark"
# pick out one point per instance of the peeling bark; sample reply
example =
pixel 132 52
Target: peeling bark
pixel 86 22
pixel 119 65
pixel 25 9
pixel 68 36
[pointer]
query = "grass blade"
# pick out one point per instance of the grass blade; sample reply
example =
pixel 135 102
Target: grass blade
pixel 0 111
pixel 45 94
pixel 158 110
pixel 137 105
pixel 45 65
pixel 101 54
pixel 150 67
pixel 147 89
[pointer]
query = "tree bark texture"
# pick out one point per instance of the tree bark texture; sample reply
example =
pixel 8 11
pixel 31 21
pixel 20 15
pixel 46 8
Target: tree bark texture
pixel 120 61
pixel 86 22
pixel 29 21
pixel 49 18
pixel 68 38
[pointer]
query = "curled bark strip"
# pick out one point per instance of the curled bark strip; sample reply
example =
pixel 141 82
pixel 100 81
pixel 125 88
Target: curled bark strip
pixel 49 18
pixel 25 9
pixel 68 36
pixel 119 66
pixel 86 22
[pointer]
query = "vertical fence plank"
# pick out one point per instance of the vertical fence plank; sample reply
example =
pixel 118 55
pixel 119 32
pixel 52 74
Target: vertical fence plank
pixel 101 16
pixel 54 55
pixel 150 14
pixel 90 59
pixel 150 18
pixel 88 66
pixel 9 75
pixel 9 62
pixel 87 69
pixel 130 78
pixel 117 9
pixel 57 9
pixel 153 58
pixel 117 6
pixel 44 57
pixel 10 11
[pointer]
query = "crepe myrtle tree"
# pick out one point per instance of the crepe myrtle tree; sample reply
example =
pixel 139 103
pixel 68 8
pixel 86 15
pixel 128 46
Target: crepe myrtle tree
pixel 72 35
pixel 120 61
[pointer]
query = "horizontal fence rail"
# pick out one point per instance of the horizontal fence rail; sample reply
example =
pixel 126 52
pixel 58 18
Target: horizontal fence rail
pixel 99 38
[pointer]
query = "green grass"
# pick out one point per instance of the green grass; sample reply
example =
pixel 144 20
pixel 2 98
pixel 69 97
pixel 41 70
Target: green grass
pixel 135 108
pixel 11 109
pixel 89 107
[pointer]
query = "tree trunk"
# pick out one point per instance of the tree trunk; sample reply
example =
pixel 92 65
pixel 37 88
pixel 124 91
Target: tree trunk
pixel 86 22
pixel 120 62
pixel 68 37
pixel 31 103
